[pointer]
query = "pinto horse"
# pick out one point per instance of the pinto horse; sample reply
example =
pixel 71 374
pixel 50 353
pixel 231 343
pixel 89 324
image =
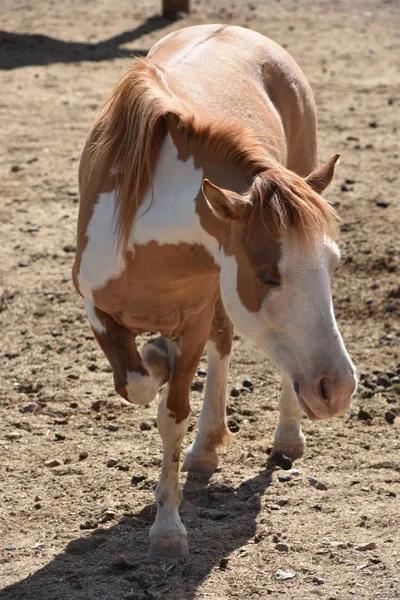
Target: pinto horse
pixel 200 211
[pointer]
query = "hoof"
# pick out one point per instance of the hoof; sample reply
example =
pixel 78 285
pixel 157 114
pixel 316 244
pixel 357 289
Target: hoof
pixel 200 463
pixel 175 546
pixel 155 358
pixel 291 446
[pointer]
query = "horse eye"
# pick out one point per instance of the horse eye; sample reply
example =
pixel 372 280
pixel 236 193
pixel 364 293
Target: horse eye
pixel 265 279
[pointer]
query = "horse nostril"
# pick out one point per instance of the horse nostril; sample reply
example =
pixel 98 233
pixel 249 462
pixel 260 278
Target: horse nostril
pixel 323 387
pixel 296 387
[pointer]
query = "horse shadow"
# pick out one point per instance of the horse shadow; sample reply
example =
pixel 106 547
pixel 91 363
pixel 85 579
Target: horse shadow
pixel 112 563
pixel 22 49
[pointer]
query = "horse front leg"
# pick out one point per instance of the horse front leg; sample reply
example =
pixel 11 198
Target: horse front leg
pixel 168 537
pixel 201 456
pixel 289 439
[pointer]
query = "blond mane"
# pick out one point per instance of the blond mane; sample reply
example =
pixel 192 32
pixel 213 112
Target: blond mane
pixel 127 138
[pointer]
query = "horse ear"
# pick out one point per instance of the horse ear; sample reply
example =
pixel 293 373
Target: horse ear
pixel 227 205
pixel 320 178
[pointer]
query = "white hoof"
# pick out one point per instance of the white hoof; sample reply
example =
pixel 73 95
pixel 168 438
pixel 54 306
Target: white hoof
pixel 290 444
pixel 168 546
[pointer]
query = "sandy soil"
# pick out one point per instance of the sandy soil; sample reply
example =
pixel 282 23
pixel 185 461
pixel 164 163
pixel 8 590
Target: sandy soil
pixel 79 530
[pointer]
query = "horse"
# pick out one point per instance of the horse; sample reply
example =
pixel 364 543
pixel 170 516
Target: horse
pixel 201 212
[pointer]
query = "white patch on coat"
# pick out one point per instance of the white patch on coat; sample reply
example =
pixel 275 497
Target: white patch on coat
pixel 102 258
pixel 171 217
pixel 92 316
pixel 141 389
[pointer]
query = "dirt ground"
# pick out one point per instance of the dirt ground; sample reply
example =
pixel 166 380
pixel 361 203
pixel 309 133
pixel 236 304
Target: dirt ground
pixel 79 529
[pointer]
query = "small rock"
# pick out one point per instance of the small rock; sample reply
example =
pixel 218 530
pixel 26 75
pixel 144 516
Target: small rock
pixel 223 563
pixel 282 502
pixel 334 543
pixel 123 467
pixel 201 372
pixel 318 485
pixel 282 547
pixel 390 416
pixel 89 525
pixel 83 455
pixel 112 462
pixel 29 407
pixel 318 580
pixel 59 437
pixel 247 383
pixel 14 435
pixel 69 248
pixel 144 426
pixel 382 203
pixel 52 462
pixel 364 547
pixel 281 575
pixel 96 405
pixel 368 301
pixel 109 515
pixel 112 427
pixel 138 478
pixel 197 386
pixel 364 415
pixel 282 477
pixel 10 548
pixel 235 392
pixel 373 124
pixel 92 367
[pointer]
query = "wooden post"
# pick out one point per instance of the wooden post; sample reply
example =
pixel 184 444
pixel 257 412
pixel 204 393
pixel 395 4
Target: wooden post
pixel 170 8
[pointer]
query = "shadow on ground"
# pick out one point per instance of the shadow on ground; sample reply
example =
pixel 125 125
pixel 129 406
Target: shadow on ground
pixel 112 563
pixel 23 49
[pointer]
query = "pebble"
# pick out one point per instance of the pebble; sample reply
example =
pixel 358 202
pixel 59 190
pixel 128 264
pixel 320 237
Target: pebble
pixel 318 485
pixel 10 547
pixel 138 478
pixel 284 477
pixel 364 415
pixel 108 515
pixel 282 547
pixel 89 525
pixel 83 455
pixel 14 435
pixel 52 462
pixel 144 426
pixel 223 563
pixel 281 575
pixel 382 203
pixel 59 437
pixel 201 372
pixel 364 547
pixel 334 543
pixel 29 407
pixel 112 427
pixel 235 392
pixel 390 416
pixel 247 383
pixel 318 580
pixel 112 462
